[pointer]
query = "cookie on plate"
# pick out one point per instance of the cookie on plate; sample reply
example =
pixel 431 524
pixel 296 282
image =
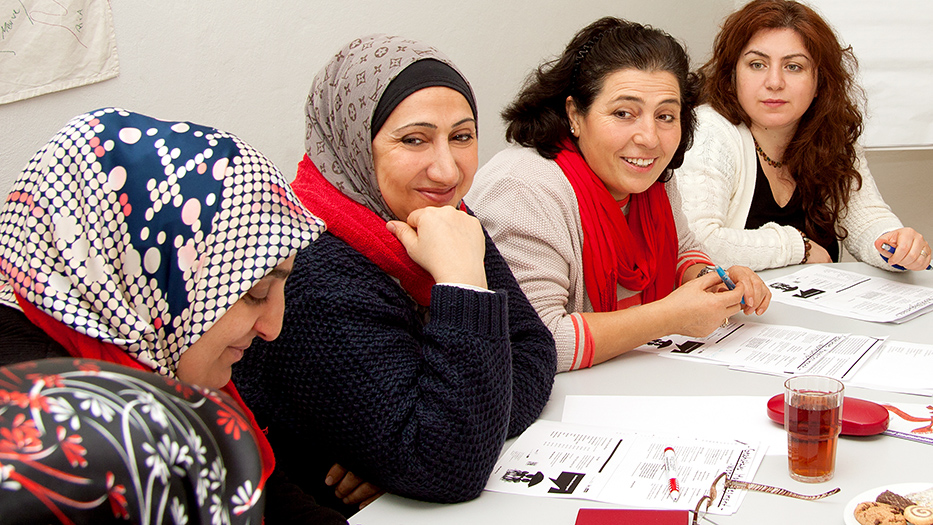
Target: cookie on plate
pixel 919 515
pixel 896 500
pixel 923 497
pixel 875 513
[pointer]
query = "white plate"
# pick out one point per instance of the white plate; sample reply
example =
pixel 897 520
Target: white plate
pixel 869 495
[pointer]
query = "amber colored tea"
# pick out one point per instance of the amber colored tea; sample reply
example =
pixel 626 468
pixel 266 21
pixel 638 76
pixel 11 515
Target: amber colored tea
pixel 812 431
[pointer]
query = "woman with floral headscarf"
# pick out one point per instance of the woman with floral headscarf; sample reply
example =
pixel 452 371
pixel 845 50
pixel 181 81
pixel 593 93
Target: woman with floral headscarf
pixel 162 247
pixel 409 353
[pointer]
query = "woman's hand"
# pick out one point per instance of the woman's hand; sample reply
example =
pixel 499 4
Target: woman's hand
pixel 910 249
pixel 703 305
pixel 757 294
pixel 446 242
pixel 351 489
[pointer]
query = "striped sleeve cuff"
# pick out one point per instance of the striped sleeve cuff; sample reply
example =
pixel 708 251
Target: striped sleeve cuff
pixel 688 259
pixel 583 343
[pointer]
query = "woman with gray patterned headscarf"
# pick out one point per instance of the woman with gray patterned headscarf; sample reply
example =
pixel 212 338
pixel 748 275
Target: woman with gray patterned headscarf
pixel 408 352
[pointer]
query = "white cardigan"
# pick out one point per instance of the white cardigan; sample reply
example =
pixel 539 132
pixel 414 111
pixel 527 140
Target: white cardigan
pixel 715 186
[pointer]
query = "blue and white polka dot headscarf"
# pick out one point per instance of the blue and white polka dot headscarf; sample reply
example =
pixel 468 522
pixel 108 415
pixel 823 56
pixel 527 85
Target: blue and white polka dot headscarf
pixel 142 233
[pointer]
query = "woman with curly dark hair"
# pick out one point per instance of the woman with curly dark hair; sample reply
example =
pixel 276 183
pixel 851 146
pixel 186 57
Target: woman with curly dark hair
pixel 775 161
pixel 579 209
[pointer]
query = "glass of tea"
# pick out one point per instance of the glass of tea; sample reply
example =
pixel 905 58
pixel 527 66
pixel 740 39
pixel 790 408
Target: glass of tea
pixel 813 419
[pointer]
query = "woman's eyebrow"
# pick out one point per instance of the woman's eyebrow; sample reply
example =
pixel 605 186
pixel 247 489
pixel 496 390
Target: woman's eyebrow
pixel 786 57
pixel 278 273
pixel 433 126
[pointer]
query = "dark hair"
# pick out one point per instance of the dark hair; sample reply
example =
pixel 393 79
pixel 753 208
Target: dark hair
pixel 821 156
pixel 538 116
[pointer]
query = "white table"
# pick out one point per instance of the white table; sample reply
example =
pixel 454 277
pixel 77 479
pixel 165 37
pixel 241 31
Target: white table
pixel 862 463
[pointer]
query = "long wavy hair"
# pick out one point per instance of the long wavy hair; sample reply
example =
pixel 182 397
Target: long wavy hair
pixel 821 156
pixel 538 116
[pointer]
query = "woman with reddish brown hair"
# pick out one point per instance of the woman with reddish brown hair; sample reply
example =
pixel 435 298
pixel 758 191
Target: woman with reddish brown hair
pixel 775 176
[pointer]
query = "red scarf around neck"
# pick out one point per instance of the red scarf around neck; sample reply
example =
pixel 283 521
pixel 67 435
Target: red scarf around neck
pixel 86 347
pixel 638 253
pixel 362 229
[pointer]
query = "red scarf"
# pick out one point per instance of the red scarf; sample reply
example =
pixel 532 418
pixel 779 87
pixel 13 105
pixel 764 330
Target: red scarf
pixel 638 253
pixel 86 347
pixel 362 229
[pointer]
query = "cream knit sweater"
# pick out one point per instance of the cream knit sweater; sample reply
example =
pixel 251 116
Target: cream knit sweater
pixel 715 186
pixel 530 210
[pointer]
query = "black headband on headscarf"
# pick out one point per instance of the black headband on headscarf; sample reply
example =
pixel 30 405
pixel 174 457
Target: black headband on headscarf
pixel 419 75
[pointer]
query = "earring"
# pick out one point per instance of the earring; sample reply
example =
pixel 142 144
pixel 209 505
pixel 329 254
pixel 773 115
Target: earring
pixel 572 131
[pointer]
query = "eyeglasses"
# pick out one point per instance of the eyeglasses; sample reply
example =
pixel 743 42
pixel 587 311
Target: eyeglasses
pixel 723 482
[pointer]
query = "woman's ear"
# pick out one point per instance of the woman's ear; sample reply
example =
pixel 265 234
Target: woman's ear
pixel 572 115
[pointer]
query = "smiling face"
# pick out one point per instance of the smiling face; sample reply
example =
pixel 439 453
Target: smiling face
pixel 426 152
pixel 631 130
pixel 775 80
pixel 208 361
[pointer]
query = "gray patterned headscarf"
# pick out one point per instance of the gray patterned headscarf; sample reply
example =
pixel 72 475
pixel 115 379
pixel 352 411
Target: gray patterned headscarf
pixel 339 111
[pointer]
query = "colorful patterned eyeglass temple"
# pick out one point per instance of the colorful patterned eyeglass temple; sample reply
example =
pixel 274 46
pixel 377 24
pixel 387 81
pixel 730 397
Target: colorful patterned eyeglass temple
pixel 723 482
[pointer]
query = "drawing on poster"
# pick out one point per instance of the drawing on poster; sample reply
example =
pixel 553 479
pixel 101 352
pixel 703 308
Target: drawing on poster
pixel 51 45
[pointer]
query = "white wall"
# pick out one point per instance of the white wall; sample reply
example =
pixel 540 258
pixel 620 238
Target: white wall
pixel 245 66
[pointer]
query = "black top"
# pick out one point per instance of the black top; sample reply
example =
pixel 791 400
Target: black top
pixel 765 209
pixel 20 340
pixel 419 409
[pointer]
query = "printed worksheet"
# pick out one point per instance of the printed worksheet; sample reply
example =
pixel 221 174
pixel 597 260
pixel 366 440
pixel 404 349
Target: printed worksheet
pixel 849 294
pixel 899 367
pixel 772 349
pixel 554 459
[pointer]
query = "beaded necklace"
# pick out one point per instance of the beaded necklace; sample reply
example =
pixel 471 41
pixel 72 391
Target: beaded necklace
pixel 773 163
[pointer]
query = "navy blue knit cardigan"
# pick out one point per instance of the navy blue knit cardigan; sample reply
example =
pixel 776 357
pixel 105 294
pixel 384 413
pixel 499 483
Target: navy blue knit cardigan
pixel 357 378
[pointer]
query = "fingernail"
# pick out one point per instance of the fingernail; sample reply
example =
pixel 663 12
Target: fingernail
pixel 329 481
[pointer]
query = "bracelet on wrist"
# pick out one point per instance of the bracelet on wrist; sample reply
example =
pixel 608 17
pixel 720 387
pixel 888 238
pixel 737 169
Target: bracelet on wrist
pixel 806 248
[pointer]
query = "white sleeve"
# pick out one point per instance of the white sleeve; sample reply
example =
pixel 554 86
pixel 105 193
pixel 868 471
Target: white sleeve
pixel 714 188
pixel 867 218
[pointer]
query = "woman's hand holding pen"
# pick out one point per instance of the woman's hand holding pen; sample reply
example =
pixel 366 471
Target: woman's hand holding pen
pixel 911 250
pixel 757 294
pixel 700 305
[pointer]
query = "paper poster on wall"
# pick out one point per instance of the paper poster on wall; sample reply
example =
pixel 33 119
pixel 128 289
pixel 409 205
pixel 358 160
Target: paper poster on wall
pixel 894 47
pixel 51 45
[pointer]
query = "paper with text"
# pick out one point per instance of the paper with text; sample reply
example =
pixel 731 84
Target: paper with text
pixel 898 367
pixel 553 459
pixel 849 294
pixel 772 349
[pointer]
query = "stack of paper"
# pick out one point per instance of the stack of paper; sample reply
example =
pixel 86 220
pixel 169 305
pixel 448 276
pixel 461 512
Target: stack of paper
pixel 898 367
pixel 627 468
pixel 864 361
pixel 849 294
pixel 772 349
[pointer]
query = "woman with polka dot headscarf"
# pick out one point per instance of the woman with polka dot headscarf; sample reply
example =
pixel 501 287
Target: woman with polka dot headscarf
pixel 162 247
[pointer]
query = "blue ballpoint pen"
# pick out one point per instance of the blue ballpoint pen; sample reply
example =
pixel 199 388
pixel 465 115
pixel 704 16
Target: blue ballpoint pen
pixel 890 249
pixel 726 280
